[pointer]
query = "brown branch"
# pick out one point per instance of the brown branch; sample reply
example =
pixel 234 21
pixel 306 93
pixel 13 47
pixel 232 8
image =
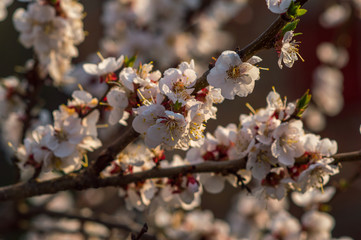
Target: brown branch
pixel 347 157
pixel 265 41
pixel 141 233
pixel 84 181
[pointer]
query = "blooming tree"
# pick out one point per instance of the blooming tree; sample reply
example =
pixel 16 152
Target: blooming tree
pixel 124 118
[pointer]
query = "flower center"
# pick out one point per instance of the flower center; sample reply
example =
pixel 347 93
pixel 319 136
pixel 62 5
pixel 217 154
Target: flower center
pixel 61 135
pixel 236 73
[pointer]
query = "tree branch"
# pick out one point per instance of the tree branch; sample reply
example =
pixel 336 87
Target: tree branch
pixel 347 157
pixel 84 181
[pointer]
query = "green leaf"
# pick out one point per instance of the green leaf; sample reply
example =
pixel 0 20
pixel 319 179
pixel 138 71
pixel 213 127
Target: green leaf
pixel 300 12
pixel 292 9
pixel 290 26
pixel 303 103
pixel 129 62
pixel 295 10
pixel 296 34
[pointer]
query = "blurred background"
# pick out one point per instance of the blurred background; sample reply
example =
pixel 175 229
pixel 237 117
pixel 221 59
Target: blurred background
pixel 244 27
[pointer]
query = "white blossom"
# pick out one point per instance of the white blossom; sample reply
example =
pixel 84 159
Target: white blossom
pixel 278 6
pixel 233 76
pixel 288 53
pixel 288 142
pixel 118 100
pixel 52 33
pixel 106 66
pixel 317 174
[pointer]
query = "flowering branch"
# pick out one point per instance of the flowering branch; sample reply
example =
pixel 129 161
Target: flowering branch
pixel 84 181
pixel 265 41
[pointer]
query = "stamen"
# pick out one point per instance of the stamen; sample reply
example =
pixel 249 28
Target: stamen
pixel 102 125
pixel 250 108
pixel 274 89
pixel 80 87
pixel 300 56
pixel 143 99
pixel 100 56
pixel 322 188
pixel 11 146
pixel 104 104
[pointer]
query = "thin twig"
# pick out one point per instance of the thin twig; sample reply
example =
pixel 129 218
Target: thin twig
pixel 347 157
pixel 141 233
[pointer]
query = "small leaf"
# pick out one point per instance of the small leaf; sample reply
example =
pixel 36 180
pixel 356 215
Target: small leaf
pixel 302 103
pixel 292 9
pixel 129 62
pixel 295 10
pixel 300 12
pixel 290 26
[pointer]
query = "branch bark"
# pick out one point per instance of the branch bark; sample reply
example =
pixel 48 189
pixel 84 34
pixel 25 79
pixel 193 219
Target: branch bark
pixel 83 181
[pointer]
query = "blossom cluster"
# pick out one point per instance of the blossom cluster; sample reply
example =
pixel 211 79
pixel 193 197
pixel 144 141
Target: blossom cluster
pixel 275 148
pixel 63 145
pixel 167 111
pixel 276 154
pixel 180 191
pixel 53 29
